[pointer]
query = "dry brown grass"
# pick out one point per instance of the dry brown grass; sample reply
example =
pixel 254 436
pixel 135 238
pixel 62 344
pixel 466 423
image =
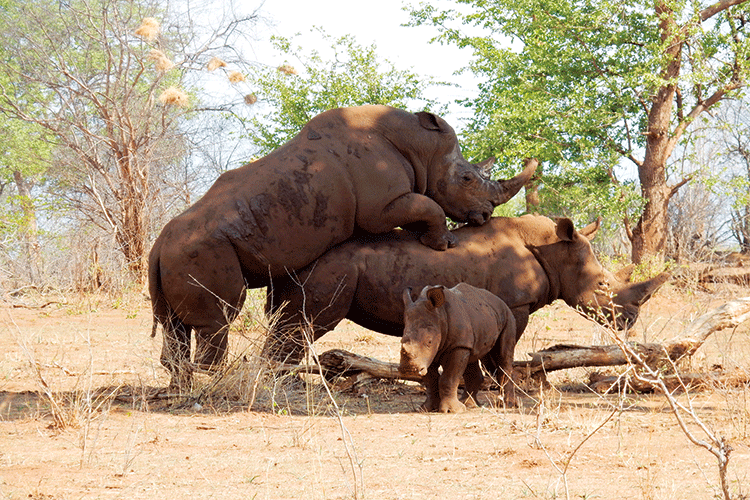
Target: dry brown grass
pixel 104 427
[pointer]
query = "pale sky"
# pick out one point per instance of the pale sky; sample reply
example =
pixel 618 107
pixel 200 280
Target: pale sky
pixel 380 23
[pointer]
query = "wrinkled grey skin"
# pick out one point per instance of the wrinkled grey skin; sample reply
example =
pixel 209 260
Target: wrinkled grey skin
pixel 455 328
pixel 527 261
pixel 361 169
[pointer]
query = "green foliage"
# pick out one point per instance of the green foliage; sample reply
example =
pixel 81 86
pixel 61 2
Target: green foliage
pixel 289 96
pixel 587 192
pixel 25 151
pixel 572 82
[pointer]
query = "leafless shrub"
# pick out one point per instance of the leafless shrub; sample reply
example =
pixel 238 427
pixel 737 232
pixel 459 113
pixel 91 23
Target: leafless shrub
pixel 120 134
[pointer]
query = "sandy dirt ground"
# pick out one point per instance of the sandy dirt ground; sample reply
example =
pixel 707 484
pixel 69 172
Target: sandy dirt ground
pixel 84 414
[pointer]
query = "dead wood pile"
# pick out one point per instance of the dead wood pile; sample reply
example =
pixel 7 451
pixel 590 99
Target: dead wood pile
pixel 358 368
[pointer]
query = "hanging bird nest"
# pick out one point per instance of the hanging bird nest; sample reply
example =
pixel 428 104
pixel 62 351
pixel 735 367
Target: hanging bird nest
pixel 215 63
pixel 161 61
pixel 149 29
pixel 236 77
pixel 173 96
pixel 287 69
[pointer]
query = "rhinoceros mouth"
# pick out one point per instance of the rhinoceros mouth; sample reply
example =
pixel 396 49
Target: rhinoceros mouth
pixel 476 218
pixel 625 319
pixel 619 318
pixel 410 369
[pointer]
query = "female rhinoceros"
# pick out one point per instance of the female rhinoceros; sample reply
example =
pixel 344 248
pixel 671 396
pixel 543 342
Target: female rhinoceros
pixel 368 168
pixel 527 261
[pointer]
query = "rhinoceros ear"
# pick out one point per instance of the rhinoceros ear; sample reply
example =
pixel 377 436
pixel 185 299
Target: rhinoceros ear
pixel 429 121
pixel 590 231
pixel 436 296
pixel 486 166
pixel 565 230
pixel 407 296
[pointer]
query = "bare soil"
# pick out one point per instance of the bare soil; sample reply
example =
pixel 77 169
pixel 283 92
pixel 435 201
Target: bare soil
pixel 84 414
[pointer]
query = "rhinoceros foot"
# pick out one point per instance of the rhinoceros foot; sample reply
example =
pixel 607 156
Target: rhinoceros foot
pixel 452 405
pixel 470 403
pixel 440 242
pixel 430 405
pixel 181 381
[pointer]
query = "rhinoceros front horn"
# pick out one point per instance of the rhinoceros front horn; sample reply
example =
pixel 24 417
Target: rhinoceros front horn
pixel 507 189
pixel 646 289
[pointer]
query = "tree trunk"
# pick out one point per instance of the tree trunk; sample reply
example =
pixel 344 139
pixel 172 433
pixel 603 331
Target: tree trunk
pixel 532 191
pixel 132 230
pixel 649 237
pixel 30 229
pixel 650 233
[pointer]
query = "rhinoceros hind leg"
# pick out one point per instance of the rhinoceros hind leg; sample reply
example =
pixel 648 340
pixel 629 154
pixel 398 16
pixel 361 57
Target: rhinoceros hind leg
pixel 301 314
pixel 211 341
pixel 175 354
pixel 211 348
pixel 473 380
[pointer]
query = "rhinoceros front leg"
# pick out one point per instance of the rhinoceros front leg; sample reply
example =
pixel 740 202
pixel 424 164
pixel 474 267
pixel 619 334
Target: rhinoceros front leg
pixel 413 208
pixel 454 365
pixel 430 381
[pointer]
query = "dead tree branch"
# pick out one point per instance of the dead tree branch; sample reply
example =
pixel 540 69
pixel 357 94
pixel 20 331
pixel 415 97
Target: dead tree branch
pixel 560 357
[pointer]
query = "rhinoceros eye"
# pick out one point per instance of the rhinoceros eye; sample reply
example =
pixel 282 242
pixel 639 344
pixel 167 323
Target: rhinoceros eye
pixel 467 178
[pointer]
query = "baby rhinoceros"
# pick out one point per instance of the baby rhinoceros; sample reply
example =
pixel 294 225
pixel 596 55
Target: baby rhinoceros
pixel 455 328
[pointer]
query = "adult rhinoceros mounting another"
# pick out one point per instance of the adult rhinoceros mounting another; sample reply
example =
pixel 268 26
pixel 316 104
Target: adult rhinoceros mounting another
pixel 368 168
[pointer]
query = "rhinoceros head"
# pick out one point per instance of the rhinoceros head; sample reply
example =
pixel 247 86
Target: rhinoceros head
pixel 422 329
pixel 585 285
pixel 461 188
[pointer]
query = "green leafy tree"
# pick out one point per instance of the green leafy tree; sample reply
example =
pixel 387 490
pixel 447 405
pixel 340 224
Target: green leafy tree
pixel 289 95
pixel 734 121
pixel 25 154
pixel 585 84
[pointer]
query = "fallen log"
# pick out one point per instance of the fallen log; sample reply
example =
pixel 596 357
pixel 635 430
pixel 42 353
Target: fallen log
pixel 684 381
pixel 560 357
pixel 737 276
pixel 345 363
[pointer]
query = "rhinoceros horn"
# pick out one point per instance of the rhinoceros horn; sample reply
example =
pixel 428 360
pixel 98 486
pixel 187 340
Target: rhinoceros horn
pixel 506 189
pixel 645 289
pixel 632 296
pixel 406 296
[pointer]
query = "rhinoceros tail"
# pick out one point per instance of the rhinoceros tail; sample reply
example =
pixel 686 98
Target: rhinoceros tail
pixel 159 306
